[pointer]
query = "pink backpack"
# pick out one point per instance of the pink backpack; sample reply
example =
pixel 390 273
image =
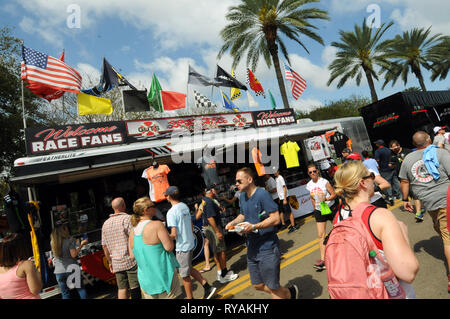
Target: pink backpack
pixel 352 274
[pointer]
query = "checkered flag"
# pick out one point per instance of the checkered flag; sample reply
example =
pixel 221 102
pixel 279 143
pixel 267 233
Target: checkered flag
pixel 202 101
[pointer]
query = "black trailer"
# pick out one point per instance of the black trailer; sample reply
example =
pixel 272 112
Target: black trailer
pixel 399 116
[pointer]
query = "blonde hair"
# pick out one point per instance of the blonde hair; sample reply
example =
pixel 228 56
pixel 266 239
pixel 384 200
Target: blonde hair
pixel 56 239
pixel 139 207
pixel 347 179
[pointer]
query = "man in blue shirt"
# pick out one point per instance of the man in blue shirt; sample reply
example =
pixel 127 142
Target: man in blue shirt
pixel 263 255
pixel 387 170
pixel 180 224
pixel 369 162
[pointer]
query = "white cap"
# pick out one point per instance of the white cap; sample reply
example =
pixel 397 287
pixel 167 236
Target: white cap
pixel 437 129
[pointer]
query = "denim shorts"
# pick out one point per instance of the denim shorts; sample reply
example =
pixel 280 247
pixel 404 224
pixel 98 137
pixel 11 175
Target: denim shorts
pixel 264 267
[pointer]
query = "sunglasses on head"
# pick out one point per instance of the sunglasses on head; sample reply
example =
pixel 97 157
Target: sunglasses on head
pixel 371 175
pixel 314 171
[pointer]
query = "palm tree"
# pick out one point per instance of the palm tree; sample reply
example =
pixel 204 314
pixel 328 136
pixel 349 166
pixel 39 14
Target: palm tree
pixel 439 56
pixel 410 52
pixel 359 51
pixel 256 27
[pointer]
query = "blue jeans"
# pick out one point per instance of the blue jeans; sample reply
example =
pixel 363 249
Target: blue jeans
pixel 392 178
pixel 65 291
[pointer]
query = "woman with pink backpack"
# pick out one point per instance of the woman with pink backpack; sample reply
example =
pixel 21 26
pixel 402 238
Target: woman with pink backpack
pixel 362 231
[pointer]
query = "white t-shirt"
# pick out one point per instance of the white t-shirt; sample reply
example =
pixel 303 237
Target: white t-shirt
pixel 271 184
pixel 319 192
pixel 280 189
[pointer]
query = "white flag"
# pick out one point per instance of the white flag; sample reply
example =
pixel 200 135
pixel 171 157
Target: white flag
pixel 251 101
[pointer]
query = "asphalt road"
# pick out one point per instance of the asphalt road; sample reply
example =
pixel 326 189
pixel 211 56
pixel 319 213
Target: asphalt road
pixel 300 250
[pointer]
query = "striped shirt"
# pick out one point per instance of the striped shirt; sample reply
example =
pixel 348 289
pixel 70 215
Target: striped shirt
pixel 115 233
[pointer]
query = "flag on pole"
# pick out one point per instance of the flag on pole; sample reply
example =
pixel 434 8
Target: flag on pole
pixel 255 85
pixel 298 84
pixel 272 100
pixel 227 103
pixel 196 78
pixel 202 101
pixel 224 79
pixel 154 95
pixel 44 91
pixel 110 79
pixel 39 68
pixel 135 101
pixel 173 100
pixel 251 101
pixel 235 93
pixel 89 104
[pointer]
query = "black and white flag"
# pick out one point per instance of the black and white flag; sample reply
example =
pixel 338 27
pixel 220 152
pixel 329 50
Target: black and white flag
pixel 202 101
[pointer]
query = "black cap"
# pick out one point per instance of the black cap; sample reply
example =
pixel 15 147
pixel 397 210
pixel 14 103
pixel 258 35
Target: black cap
pixel 379 142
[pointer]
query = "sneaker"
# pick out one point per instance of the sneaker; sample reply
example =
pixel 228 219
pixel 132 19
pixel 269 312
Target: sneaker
pixel 230 276
pixel 319 265
pixel 209 292
pixel 419 216
pixel 292 229
pixel 294 291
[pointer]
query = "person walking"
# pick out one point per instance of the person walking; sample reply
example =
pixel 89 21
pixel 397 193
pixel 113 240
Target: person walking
pixel 180 224
pixel 115 236
pixel 321 191
pixel 355 184
pixel 151 246
pixel 380 183
pixel 283 204
pixel 426 171
pixel 387 171
pixel 401 152
pixel 263 252
pixel 19 278
pixel 439 138
pixel 65 251
pixel 209 211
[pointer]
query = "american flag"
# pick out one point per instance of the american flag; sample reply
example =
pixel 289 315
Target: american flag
pixel 43 69
pixel 298 84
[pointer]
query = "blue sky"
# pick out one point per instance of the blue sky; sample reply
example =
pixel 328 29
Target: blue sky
pixel 142 37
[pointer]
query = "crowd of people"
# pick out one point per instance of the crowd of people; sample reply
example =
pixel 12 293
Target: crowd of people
pixel 148 257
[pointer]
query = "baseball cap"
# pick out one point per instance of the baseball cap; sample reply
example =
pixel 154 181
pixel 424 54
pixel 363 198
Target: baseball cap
pixel 354 156
pixel 379 142
pixel 211 186
pixel 171 190
pixel 437 129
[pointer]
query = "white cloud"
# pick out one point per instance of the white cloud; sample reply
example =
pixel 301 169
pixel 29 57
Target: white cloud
pixel 305 105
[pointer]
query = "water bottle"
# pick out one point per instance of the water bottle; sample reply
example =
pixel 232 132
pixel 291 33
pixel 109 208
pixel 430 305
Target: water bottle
pixel 393 287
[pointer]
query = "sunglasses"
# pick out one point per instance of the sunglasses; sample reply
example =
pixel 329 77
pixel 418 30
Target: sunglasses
pixel 371 175
pixel 310 172
pixel 239 181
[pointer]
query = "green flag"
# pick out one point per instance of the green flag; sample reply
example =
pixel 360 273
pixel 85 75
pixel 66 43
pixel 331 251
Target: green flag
pixel 272 101
pixel 154 96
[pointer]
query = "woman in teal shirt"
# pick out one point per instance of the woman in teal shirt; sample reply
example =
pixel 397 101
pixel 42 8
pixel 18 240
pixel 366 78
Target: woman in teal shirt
pixel 152 248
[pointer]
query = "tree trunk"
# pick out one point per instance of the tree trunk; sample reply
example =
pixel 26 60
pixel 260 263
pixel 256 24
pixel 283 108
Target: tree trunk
pixel 419 76
pixel 276 63
pixel 373 93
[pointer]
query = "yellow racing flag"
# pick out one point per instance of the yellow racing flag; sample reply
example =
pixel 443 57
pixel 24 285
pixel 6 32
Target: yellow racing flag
pixel 89 104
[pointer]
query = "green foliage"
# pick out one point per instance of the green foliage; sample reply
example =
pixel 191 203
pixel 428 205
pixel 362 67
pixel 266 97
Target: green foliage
pixel 337 109
pixel 258 28
pixel 358 53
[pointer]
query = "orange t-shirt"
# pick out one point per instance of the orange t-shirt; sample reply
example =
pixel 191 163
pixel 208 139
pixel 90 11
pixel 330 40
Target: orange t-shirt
pixel 256 155
pixel 158 178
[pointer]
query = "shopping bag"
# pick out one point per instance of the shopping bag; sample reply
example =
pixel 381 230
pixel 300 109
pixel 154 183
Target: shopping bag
pixel 324 209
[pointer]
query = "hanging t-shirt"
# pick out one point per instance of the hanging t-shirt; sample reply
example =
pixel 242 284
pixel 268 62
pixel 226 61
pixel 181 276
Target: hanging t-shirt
pixel 319 192
pixel 318 149
pixel 339 142
pixel 208 164
pixel 257 160
pixel 157 182
pixel 289 150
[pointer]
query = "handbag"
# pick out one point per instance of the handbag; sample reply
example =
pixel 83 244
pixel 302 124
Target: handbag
pixel 324 209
